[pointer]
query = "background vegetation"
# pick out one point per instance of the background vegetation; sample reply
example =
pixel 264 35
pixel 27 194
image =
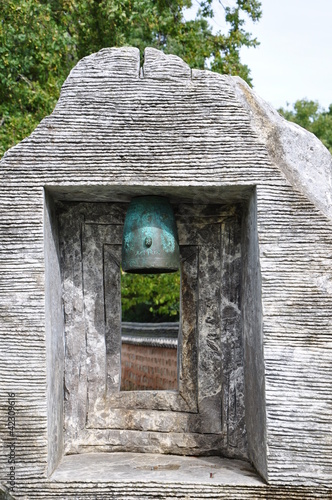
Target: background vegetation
pixel 311 116
pixel 150 297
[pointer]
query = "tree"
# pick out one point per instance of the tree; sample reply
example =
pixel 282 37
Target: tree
pixel 311 116
pixel 150 298
pixel 41 40
pixel 35 56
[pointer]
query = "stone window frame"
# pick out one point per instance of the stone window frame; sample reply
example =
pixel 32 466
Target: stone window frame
pixel 107 265
pixel 242 432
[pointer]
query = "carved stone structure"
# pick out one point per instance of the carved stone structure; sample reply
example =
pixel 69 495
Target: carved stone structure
pixel 252 200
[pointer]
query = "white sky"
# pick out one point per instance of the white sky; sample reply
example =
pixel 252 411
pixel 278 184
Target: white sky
pixel 294 59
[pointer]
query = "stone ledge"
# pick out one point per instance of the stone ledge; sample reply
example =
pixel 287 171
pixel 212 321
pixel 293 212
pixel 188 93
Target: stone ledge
pixel 148 467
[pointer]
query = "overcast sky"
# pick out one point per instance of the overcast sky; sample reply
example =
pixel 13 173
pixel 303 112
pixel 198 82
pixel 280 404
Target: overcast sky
pixel 294 59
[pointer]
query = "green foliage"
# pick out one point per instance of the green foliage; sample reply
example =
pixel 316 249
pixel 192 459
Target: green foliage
pixel 226 47
pixel 150 298
pixel 35 57
pixel 41 40
pixel 311 116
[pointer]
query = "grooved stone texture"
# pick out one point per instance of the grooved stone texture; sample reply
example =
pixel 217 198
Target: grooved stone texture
pixel 252 197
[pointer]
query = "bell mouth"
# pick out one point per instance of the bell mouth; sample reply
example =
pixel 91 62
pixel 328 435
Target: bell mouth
pixel 151 270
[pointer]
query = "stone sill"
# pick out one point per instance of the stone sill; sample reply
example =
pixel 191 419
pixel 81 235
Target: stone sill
pixel 148 467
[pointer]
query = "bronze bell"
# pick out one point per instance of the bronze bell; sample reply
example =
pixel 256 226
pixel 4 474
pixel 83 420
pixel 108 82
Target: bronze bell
pixel 150 243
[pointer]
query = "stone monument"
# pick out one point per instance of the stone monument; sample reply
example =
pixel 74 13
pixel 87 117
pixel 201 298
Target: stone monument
pixel 251 193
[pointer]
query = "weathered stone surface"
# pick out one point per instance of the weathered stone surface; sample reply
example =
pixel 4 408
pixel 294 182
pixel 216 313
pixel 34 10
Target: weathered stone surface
pixel 253 340
pixel 291 148
pixel 160 66
pixel 116 132
pixel 203 400
pixel 55 345
pixel 232 249
pixel 166 469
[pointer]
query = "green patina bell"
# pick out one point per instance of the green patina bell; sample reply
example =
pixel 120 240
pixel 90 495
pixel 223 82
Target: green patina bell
pixel 150 243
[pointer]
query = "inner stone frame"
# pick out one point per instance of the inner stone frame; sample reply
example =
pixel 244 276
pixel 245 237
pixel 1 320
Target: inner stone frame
pixel 199 418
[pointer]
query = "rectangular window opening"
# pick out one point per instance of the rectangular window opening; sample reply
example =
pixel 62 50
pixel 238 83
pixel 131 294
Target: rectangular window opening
pixel 150 310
